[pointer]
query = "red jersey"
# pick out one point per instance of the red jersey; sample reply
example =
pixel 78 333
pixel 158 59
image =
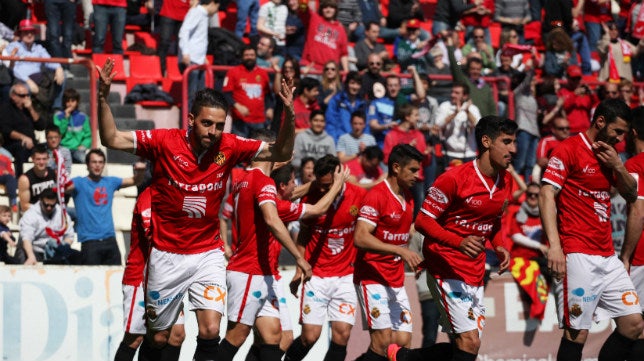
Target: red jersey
pixel 331 251
pixel 476 19
pixel 531 228
pixel 175 9
pixel 188 189
pixel 583 204
pixel 325 41
pixel 398 136
pixel 635 167
pixel 466 203
pixel 392 219
pixel 227 210
pixel 139 235
pixel 577 108
pixel 546 145
pixel 356 170
pixel 248 88
pixel 303 112
pixel 256 254
pixel 594 12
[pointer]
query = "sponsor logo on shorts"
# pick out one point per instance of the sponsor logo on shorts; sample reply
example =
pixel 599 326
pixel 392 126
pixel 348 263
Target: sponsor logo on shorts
pixel 353 210
pixel 157 300
pixel 306 309
pixel 257 294
pixel 630 298
pixel 194 206
pixel 470 314
pixel 220 158
pixel 215 293
pixel 575 310
pixel 480 322
pixel 463 297
pixel 375 312
pixel 405 317
pixel 437 195
pixel 347 309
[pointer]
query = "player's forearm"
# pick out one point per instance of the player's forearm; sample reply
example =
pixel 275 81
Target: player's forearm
pixel 286 137
pixel 548 214
pixel 325 202
pixel 280 232
pixel 625 184
pixel 300 191
pixel 634 227
pixel 430 228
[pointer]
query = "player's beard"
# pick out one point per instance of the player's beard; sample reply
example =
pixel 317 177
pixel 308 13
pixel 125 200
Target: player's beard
pixel 249 64
pixel 602 136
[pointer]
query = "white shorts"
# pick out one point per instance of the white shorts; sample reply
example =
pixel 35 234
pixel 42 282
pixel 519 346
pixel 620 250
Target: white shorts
pixel 591 282
pixel 384 307
pixel 637 276
pixel 461 305
pixel 134 310
pixel 285 315
pixel 171 275
pixel 332 296
pixel 251 296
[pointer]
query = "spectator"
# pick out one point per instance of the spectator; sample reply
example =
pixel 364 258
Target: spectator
pixel 112 13
pixel 34 181
pixel 290 70
pixel 578 100
pixel 620 51
pixel 448 13
pixel 325 38
pixel 594 14
pixel 439 89
pixel 8 177
pixel 528 127
pixel 331 83
pixel 18 119
pixel 193 41
pixel 373 82
pixel 46 233
pixel 559 49
pixel 295 30
pixel 266 56
pixel 409 49
pixel 52 135
pixel 313 142
pixel 61 20
pixel 74 126
pixel 134 16
pixel 247 88
pixel 306 173
pixel 550 105
pixel 512 14
pixel 370 45
pixel 342 105
pixel 510 36
pixel 380 117
pixel 171 16
pixel 272 23
pixel 478 16
pixel 6 237
pixel 93 197
pixel 558 14
pixel 350 16
pixel 365 170
pixel 457 119
pixel 626 92
pixel 305 103
pixel 560 131
pixel 351 145
pixel 247 10
pixel 479 91
pixel 482 47
pixel 580 42
pixel 505 70
pixel 427 110
pixel 36 74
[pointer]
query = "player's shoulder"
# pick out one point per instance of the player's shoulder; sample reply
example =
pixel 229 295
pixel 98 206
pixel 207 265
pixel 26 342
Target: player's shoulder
pixel 636 163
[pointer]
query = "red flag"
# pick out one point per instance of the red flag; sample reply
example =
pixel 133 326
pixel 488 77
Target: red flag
pixel 613 73
pixel 528 276
pixel 514 49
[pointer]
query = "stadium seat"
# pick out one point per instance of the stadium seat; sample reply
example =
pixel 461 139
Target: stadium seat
pixel 146 67
pixel 99 59
pixel 172 68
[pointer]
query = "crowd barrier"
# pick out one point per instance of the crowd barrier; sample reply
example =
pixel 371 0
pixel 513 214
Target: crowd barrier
pixel 52 313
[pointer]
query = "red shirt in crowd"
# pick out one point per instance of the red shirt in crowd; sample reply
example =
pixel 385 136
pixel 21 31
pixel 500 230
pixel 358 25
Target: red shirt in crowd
pixel 248 88
pixel 325 41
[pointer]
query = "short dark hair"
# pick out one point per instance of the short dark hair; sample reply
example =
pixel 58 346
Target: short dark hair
pixel 373 152
pixel 282 175
pixel 405 110
pixel 304 161
pixel 40 149
pixel 316 112
pixel 403 154
pixel 359 114
pixel 208 98
pixel 307 83
pixel 638 122
pixel 473 60
pixel 370 24
pixel 71 94
pixel 96 151
pixel 611 109
pixel 352 75
pixel 52 128
pixel 325 165
pixel 492 126
pixel 48 194
pixel 460 84
pixel 247 48
pixel 264 135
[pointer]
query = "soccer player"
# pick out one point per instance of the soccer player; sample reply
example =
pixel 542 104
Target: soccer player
pixel 575 213
pixel 190 171
pixel 633 250
pixel 327 242
pixel 462 210
pixel 254 282
pixel 381 235
pixel 133 306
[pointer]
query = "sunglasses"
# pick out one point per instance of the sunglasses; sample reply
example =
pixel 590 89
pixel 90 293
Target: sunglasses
pixel 22 95
pixel 562 128
pixel 478 37
pixel 531 195
pixel 48 205
pixel 375 63
pixel 327 69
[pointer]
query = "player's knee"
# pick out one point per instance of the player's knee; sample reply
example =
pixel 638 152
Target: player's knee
pixel 287 338
pixel 341 335
pixel 209 331
pixel 177 336
pixel 133 340
pixel 160 339
pixel 632 329
pixel 469 342
pixel 309 338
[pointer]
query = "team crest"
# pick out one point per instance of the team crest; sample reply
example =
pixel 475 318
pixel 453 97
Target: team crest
pixel 306 309
pixel 258 78
pixel 220 158
pixel 353 210
pixel 375 312
pixel 470 314
pixel 575 310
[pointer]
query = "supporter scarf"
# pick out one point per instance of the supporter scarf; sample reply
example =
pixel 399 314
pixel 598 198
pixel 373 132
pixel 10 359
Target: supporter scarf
pixel 61 181
pixel 526 211
pixel 638 30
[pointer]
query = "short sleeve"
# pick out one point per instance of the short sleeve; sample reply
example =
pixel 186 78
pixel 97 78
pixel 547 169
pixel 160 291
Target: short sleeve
pixel 439 196
pixel 145 142
pixel 370 209
pixel 289 211
pixel 557 170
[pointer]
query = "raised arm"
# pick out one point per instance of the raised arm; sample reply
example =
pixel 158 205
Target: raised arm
pixel 111 137
pixel 319 208
pixel 282 149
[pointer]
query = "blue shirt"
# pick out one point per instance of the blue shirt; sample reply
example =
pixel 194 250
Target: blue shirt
pixel 23 69
pixel 93 202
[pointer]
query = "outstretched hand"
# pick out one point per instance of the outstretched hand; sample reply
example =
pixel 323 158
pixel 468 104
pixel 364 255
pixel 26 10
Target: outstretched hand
pixel 105 77
pixel 286 92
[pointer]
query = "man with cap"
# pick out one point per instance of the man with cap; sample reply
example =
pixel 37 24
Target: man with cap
pixel 32 72
pixel 578 100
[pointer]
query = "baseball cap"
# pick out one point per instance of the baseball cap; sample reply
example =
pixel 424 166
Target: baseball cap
pixel 413 24
pixel 574 71
pixel 26 25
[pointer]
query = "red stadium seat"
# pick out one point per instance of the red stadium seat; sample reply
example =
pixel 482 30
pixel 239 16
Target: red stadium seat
pixel 146 67
pixel 99 59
